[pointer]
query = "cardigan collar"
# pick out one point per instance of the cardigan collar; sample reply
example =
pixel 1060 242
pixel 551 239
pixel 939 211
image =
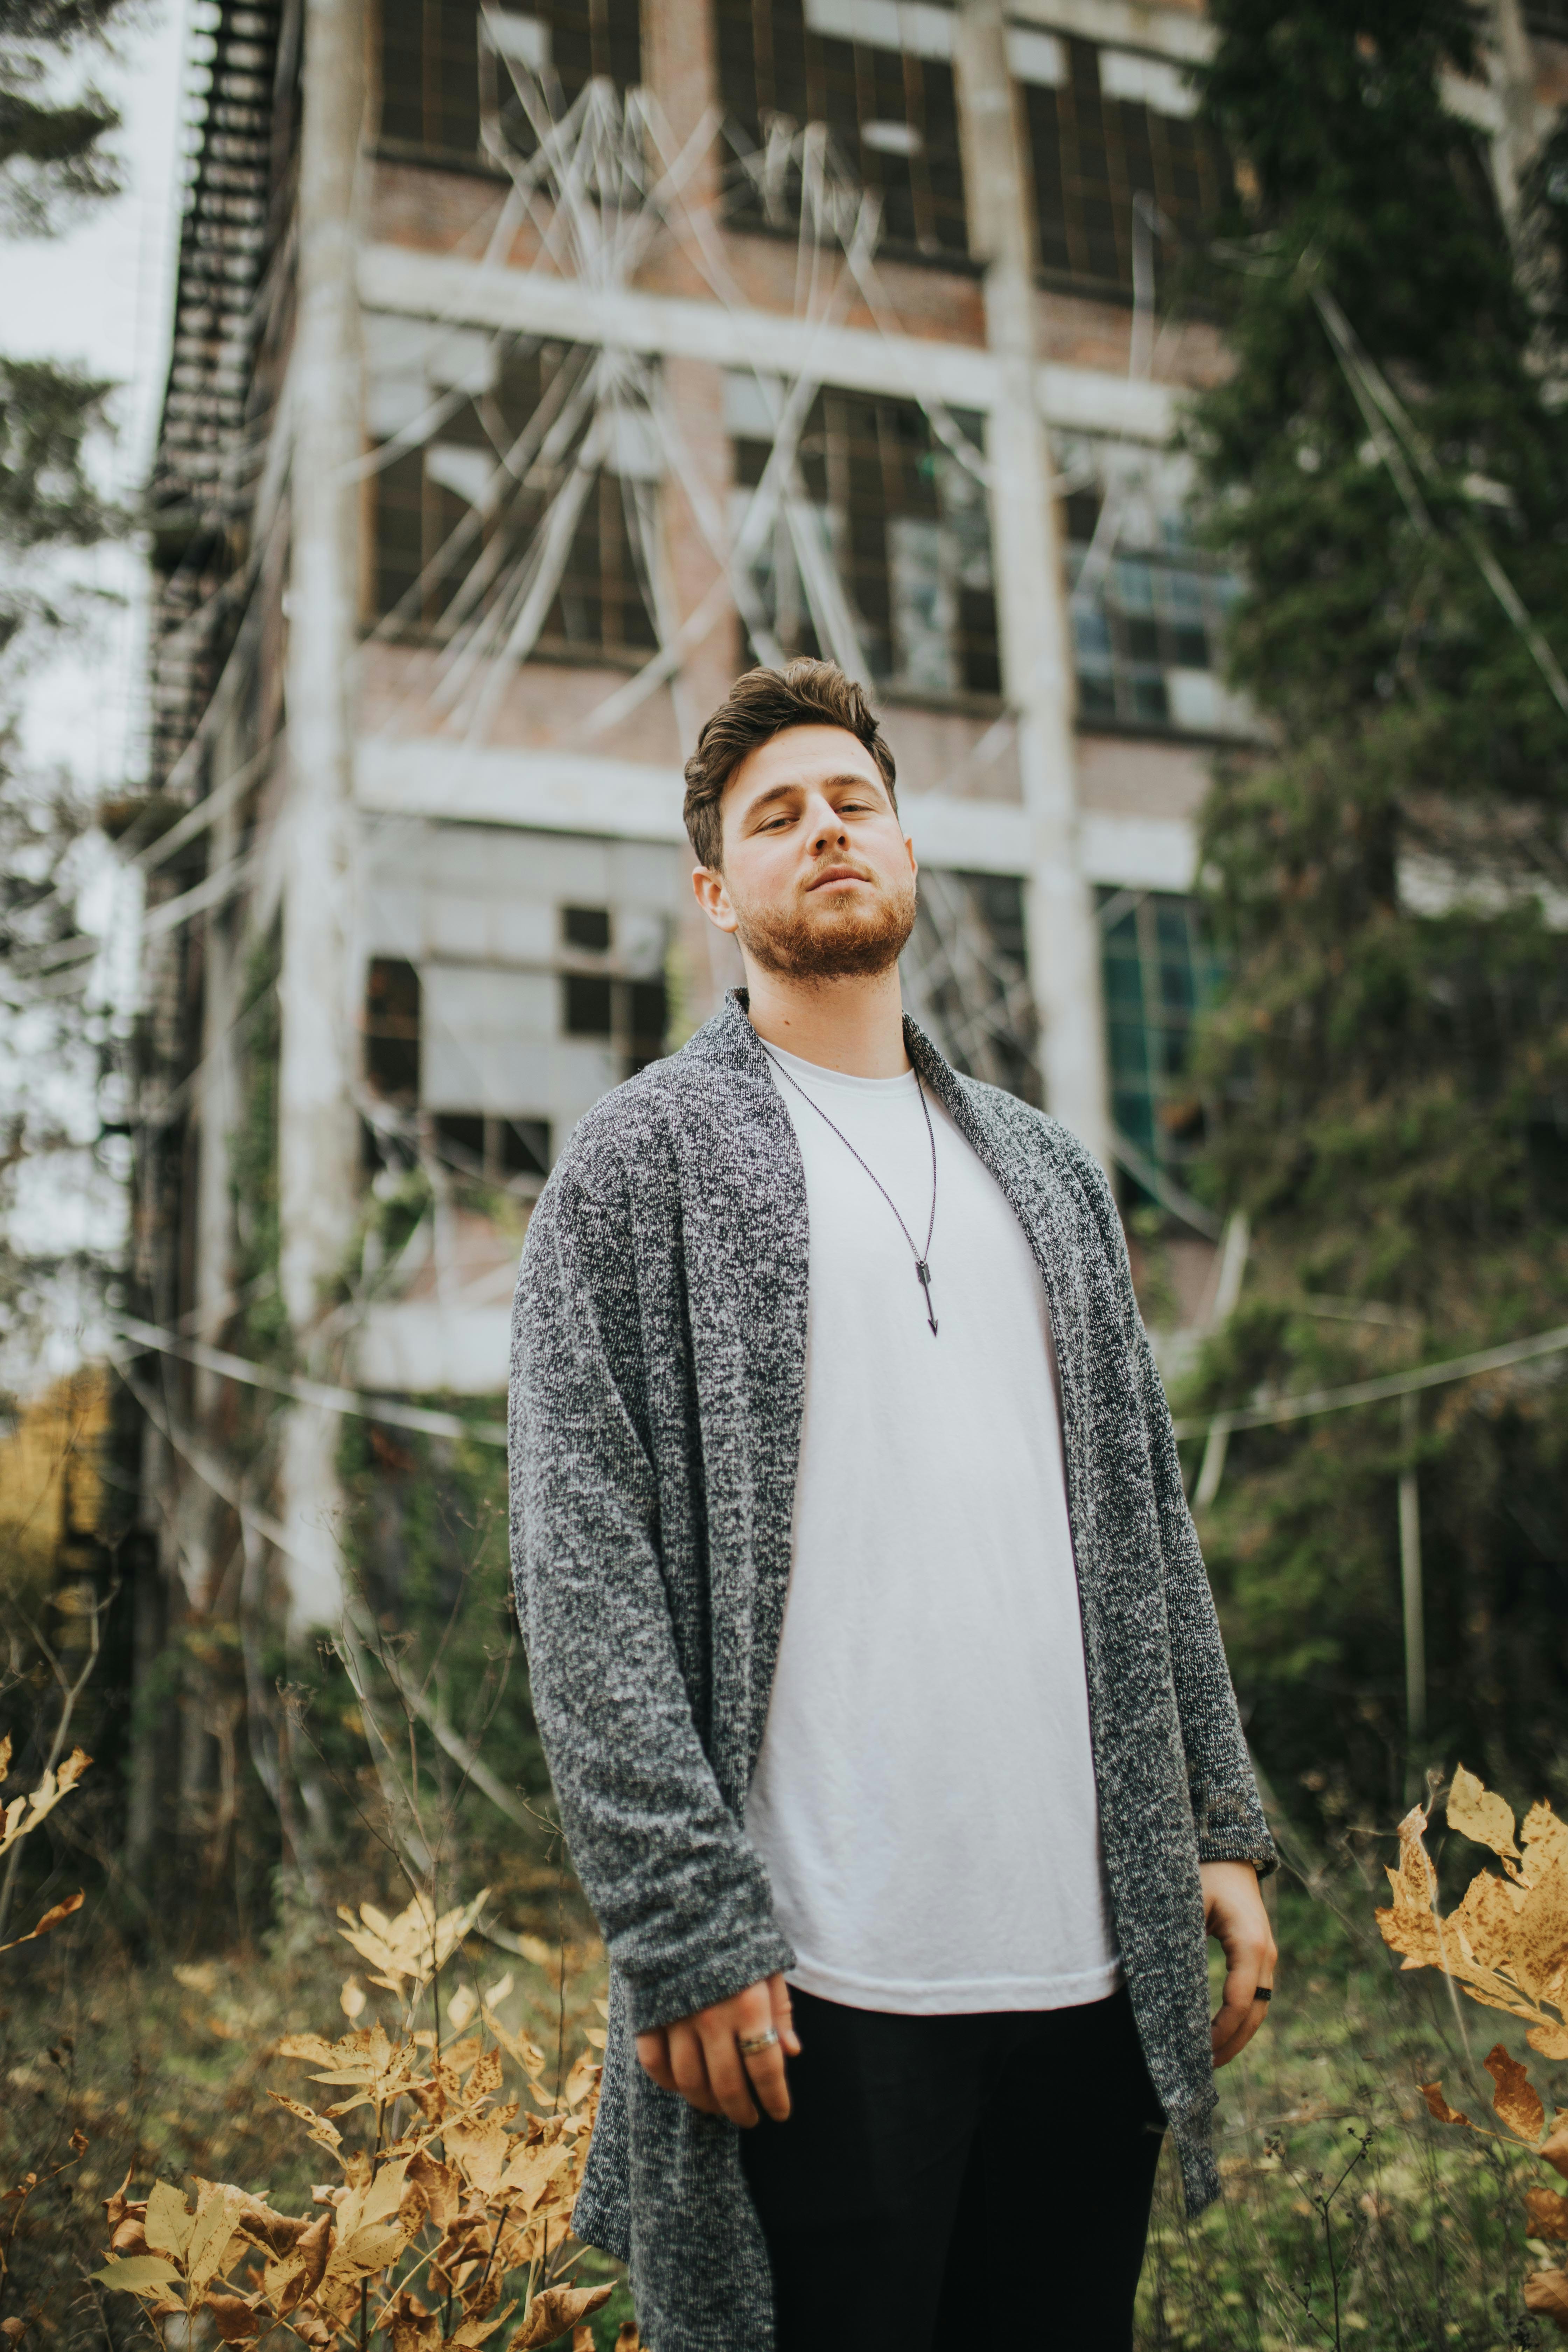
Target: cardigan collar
pixel 731 1038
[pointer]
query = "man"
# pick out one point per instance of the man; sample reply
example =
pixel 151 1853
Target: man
pixel 871 1640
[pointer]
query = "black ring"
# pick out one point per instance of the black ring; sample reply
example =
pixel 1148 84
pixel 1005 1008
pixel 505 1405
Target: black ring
pixel 1264 1992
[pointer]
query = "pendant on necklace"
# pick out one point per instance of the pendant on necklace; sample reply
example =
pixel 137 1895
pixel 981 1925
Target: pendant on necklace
pixel 922 1275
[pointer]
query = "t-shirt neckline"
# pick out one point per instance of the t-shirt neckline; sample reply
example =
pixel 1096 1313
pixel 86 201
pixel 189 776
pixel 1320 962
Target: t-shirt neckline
pixel 817 1073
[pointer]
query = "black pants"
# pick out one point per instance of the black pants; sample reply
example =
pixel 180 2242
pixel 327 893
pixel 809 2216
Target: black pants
pixel 959 2180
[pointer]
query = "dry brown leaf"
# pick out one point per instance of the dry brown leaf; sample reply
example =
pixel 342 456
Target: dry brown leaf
pixel 480 2150
pixel 327 2135
pixel 627 2338
pixel 1507 1944
pixel 51 1918
pixel 550 2313
pixel 1546 2212
pixel 440 2185
pixel 231 2315
pixel 13 2330
pixel 1547 2290
pixel 477 2329
pixel 1554 2146
pixel 5 1755
pixel 314 2046
pixel 1477 1813
pixel 1514 2102
pixel 314 2251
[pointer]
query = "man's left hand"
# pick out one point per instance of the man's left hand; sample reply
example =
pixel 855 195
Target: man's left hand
pixel 1236 1918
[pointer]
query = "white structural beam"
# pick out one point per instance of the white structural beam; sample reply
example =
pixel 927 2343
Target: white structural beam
pixel 437 286
pixel 629 800
pixel 1173 33
pixel 317 1129
pixel 1030 574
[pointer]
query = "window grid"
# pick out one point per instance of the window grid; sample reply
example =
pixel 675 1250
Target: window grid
pixel 907 529
pixel 1153 612
pixel 431 62
pixel 1159 974
pixel 601 40
pixel 772 64
pixel 599 608
pixel 1092 155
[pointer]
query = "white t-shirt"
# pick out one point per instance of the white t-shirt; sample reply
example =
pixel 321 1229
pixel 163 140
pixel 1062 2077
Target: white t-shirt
pixel 925 1799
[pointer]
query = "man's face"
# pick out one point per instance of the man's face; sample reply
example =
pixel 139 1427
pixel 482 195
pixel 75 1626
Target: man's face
pixel 819 880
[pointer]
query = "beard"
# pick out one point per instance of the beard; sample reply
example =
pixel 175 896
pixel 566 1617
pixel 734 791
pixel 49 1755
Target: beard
pixel 837 941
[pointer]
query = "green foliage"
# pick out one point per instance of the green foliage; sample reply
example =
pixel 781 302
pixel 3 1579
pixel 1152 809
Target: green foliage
pixel 253 1163
pixel 1349 2219
pixel 1391 1056
pixel 426 1541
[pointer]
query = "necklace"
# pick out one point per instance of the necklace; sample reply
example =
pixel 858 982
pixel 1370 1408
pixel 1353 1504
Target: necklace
pixel 922 1257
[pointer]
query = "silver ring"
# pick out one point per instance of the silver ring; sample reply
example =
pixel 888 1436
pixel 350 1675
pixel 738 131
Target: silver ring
pixel 752 2045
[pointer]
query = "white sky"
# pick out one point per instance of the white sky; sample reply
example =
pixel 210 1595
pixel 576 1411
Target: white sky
pixel 100 297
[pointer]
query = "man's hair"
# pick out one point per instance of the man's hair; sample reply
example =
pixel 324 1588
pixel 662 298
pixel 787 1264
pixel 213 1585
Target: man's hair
pixel 759 706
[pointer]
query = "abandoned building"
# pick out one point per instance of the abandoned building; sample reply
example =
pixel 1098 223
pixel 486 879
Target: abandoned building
pixel 534 371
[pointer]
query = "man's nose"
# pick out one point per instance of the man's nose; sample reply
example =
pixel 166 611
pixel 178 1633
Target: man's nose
pixel 827 826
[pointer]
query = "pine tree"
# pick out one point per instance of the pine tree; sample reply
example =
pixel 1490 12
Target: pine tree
pixel 1388 1070
pixel 52 163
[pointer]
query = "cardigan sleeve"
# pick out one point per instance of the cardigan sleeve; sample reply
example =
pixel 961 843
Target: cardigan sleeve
pixel 1226 1810
pixel 681 1897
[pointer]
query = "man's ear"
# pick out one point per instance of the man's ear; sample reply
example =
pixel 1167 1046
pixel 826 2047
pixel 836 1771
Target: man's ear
pixel 707 885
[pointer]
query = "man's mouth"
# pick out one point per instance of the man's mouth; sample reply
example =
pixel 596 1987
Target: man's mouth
pixel 838 874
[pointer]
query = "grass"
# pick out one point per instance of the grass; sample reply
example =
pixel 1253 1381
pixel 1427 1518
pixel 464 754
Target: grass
pixel 1350 2217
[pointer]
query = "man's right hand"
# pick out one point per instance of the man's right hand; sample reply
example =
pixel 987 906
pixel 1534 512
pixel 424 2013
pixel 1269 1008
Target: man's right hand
pixel 700 2056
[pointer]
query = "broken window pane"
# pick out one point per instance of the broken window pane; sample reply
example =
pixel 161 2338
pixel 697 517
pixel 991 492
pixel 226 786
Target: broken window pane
pixel 877 549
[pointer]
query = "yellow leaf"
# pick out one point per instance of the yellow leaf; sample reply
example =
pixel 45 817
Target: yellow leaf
pixel 493 1995
pixel 23 1814
pixel 352 2000
pixel 627 2338
pixel 1477 1813
pixel 169 2220
pixel 217 2209
pixel 1546 2213
pixel 1514 2101
pixel 5 1755
pixel 550 2313
pixel 385 2194
pixel 139 2274
pixel 1409 1925
pixel 462 2006
pixel 371 2248
pixel 306 2046
pixel 1554 2146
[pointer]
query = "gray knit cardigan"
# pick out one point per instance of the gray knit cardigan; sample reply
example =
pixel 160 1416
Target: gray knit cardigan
pixel 656 1385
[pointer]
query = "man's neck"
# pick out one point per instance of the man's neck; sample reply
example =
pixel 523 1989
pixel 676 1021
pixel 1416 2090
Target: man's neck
pixel 855 1024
